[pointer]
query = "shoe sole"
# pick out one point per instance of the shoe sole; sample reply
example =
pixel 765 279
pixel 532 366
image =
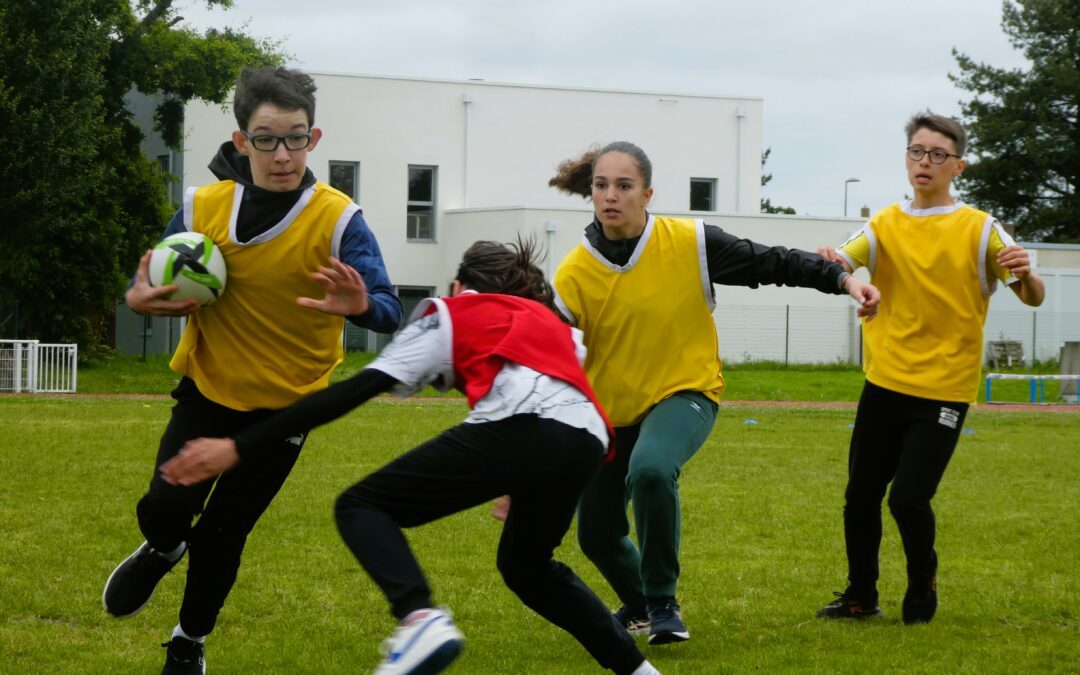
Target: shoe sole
pixel 668 637
pixel 637 630
pixel 438 660
pixel 108 581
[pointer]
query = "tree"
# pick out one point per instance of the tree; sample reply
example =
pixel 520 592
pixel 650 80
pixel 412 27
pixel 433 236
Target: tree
pixel 1023 125
pixel 766 205
pixel 81 202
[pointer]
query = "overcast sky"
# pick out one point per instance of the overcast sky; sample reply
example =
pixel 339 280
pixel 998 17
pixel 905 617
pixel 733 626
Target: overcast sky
pixel 839 78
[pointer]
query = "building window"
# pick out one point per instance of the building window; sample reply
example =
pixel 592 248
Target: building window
pixel 345 176
pixel 420 224
pixel 702 194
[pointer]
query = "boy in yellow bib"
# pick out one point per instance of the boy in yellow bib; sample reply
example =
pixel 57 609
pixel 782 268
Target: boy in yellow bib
pixel 259 348
pixel 936 261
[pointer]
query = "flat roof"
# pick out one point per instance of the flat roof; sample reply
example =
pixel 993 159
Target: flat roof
pixel 486 83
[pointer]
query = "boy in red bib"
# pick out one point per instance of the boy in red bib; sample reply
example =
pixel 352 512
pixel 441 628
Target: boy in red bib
pixel 534 432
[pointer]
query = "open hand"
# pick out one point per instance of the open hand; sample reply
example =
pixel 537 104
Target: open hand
pixel 199 460
pixel 346 292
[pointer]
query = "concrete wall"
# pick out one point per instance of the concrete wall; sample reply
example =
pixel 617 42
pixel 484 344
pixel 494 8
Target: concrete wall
pixel 496 145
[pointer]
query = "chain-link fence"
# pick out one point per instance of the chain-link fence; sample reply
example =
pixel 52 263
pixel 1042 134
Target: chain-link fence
pixel 791 334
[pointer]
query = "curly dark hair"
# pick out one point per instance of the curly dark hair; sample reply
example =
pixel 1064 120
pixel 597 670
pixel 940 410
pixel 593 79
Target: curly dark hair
pixel 510 269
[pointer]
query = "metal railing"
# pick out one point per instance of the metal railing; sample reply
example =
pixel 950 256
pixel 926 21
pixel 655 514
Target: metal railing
pixel 28 366
pixel 794 334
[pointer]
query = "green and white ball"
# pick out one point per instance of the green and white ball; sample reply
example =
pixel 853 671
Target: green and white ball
pixel 191 261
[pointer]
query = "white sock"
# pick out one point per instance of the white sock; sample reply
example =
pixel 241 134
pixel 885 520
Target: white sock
pixel 416 614
pixel 179 632
pixel 646 668
pixel 173 555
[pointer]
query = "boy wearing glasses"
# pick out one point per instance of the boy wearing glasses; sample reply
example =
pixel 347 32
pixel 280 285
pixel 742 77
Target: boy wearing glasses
pixel 301 259
pixel 936 261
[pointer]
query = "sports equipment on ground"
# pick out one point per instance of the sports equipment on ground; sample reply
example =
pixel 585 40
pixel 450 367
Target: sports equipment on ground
pixel 425 642
pixel 847 606
pixel 192 262
pixel 665 622
pixel 132 583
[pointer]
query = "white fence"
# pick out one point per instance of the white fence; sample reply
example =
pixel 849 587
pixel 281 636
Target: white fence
pixel 27 366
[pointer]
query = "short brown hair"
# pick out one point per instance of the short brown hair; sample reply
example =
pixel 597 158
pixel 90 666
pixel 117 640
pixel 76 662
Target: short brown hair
pixel 947 126
pixel 285 88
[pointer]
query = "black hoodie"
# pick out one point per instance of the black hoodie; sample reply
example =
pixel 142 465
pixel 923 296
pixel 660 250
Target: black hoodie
pixel 260 209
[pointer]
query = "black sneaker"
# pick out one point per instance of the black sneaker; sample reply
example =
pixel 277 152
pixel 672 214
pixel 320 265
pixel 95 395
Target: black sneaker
pixel 665 622
pixel 635 623
pixel 920 603
pixel 847 606
pixel 183 657
pixel 132 583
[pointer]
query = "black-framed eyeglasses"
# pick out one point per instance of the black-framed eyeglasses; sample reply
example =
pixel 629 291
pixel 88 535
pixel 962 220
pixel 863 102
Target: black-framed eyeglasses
pixel 270 143
pixel 915 153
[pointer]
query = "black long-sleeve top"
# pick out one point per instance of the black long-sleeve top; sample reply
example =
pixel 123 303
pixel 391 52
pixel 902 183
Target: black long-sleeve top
pixel 735 261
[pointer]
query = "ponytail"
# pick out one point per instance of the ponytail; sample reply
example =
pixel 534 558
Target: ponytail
pixel 574 176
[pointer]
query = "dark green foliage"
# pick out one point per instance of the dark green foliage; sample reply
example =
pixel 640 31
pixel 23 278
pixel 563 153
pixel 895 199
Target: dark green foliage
pixel 1024 158
pixel 81 202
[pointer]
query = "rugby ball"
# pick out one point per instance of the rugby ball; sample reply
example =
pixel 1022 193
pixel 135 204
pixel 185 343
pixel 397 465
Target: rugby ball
pixel 191 261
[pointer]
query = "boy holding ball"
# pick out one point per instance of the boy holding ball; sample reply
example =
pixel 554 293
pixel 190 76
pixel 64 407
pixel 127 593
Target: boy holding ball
pixel 258 349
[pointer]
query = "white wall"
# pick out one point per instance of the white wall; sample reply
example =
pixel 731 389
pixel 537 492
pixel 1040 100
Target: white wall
pixel 465 226
pixel 496 146
pixel 500 149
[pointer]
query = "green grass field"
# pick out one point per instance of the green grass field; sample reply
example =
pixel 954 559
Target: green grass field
pixel 762 549
pixel 763 381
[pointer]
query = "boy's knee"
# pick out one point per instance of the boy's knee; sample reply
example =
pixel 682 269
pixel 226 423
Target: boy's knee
pixel 592 540
pixel 514 573
pixel 902 503
pixel 863 496
pixel 348 503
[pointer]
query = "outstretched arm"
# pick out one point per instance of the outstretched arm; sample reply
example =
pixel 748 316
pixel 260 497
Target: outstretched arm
pixel 735 261
pixel 360 250
pixel 204 458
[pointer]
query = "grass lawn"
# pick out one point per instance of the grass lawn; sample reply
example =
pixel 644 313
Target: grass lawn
pixel 762 550
pixel 763 381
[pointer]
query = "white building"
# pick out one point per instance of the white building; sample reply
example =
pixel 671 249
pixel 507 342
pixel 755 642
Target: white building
pixel 439 164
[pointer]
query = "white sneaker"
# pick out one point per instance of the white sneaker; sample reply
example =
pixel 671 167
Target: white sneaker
pixel 425 642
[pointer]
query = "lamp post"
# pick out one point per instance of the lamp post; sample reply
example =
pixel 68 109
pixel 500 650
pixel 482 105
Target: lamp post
pixel 849 180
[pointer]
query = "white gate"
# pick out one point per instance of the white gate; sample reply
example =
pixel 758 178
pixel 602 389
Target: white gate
pixel 27 366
